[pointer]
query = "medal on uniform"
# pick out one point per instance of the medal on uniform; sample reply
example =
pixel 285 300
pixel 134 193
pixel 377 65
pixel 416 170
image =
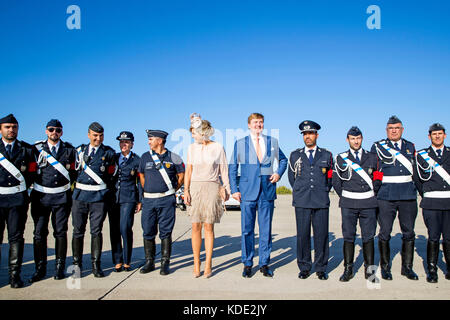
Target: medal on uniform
pixel 23 168
pixel 132 172
pixel 407 151
pixel 370 170
pixel 68 166
pixel 38 171
pixel 324 170
pixel 167 165
pixel 103 158
pixel 102 168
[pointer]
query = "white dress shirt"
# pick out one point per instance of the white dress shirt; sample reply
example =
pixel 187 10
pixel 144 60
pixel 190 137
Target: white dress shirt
pixel 436 149
pixel 314 152
pixel 90 149
pixel 262 143
pixel 359 153
pixel 399 143
pixel 6 143
pixel 50 146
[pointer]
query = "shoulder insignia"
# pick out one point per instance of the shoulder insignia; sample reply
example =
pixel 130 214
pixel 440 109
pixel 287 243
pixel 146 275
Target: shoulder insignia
pixel 39 142
pixel 68 144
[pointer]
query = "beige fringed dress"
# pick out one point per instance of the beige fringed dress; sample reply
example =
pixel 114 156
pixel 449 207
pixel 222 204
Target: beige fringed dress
pixel 209 167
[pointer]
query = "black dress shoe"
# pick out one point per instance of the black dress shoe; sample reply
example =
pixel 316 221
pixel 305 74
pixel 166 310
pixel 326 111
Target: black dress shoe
pixel 322 275
pixel 304 274
pixel 266 271
pixel 120 269
pixel 127 269
pixel 247 273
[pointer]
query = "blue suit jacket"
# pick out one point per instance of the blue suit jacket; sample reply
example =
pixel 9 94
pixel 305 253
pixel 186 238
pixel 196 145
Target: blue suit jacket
pixel 254 174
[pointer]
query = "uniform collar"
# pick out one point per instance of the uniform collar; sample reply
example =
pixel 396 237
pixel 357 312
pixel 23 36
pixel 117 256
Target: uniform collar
pixel 399 143
pixel 159 154
pixel 57 145
pixel 11 143
pixel 435 149
pixel 314 149
pixel 126 157
pixel 360 152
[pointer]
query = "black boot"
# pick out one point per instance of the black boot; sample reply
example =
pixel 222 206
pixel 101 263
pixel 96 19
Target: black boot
pixel 166 249
pixel 96 252
pixel 60 262
pixel 150 250
pixel 369 258
pixel 446 249
pixel 15 263
pixel 432 257
pixel 349 253
pixel 385 258
pixel 77 252
pixel 40 260
pixel 407 260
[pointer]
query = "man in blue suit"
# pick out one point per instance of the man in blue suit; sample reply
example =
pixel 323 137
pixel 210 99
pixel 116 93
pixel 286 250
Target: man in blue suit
pixel 256 154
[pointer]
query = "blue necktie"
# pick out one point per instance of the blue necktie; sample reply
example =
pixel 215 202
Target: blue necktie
pixel 123 161
pixel 92 153
pixel 311 158
pixel 439 151
pixel 396 146
pixel 53 151
pixel 8 150
pixel 358 161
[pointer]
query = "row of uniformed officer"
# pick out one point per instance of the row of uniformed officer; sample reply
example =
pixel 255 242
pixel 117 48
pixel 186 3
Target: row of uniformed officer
pixel 432 177
pixel 96 166
pixel 127 201
pixel 397 194
pixel 161 174
pixel 17 167
pixel 310 173
pixel 356 180
pixel 51 197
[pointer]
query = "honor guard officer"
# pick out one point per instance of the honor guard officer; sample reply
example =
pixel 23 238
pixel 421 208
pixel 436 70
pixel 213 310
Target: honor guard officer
pixel 161 173
pixel 95 165
pixel 310 173
pixel 397 194
pixel 51 195
pixel 17 168
pixel 432 177
pixel 356 181
pixel 126 203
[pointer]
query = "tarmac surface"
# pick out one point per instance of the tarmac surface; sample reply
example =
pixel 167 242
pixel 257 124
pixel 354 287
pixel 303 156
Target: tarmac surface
pixel 226 282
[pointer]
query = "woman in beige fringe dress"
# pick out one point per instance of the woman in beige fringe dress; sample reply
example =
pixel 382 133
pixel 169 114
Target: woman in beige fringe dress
pixel 206 167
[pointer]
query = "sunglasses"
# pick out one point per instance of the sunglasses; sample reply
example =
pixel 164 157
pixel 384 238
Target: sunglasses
pixel 58 130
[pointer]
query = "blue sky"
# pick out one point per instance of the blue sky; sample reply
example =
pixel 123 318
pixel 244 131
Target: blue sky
pixel 149 64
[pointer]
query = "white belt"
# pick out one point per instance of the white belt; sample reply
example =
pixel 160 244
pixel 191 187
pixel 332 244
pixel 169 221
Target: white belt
pixel 13 190
pixel 43 189
pixel 90 187
pixel 396 179
pixel 437 194
pixel 158 195
pixel 358 195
